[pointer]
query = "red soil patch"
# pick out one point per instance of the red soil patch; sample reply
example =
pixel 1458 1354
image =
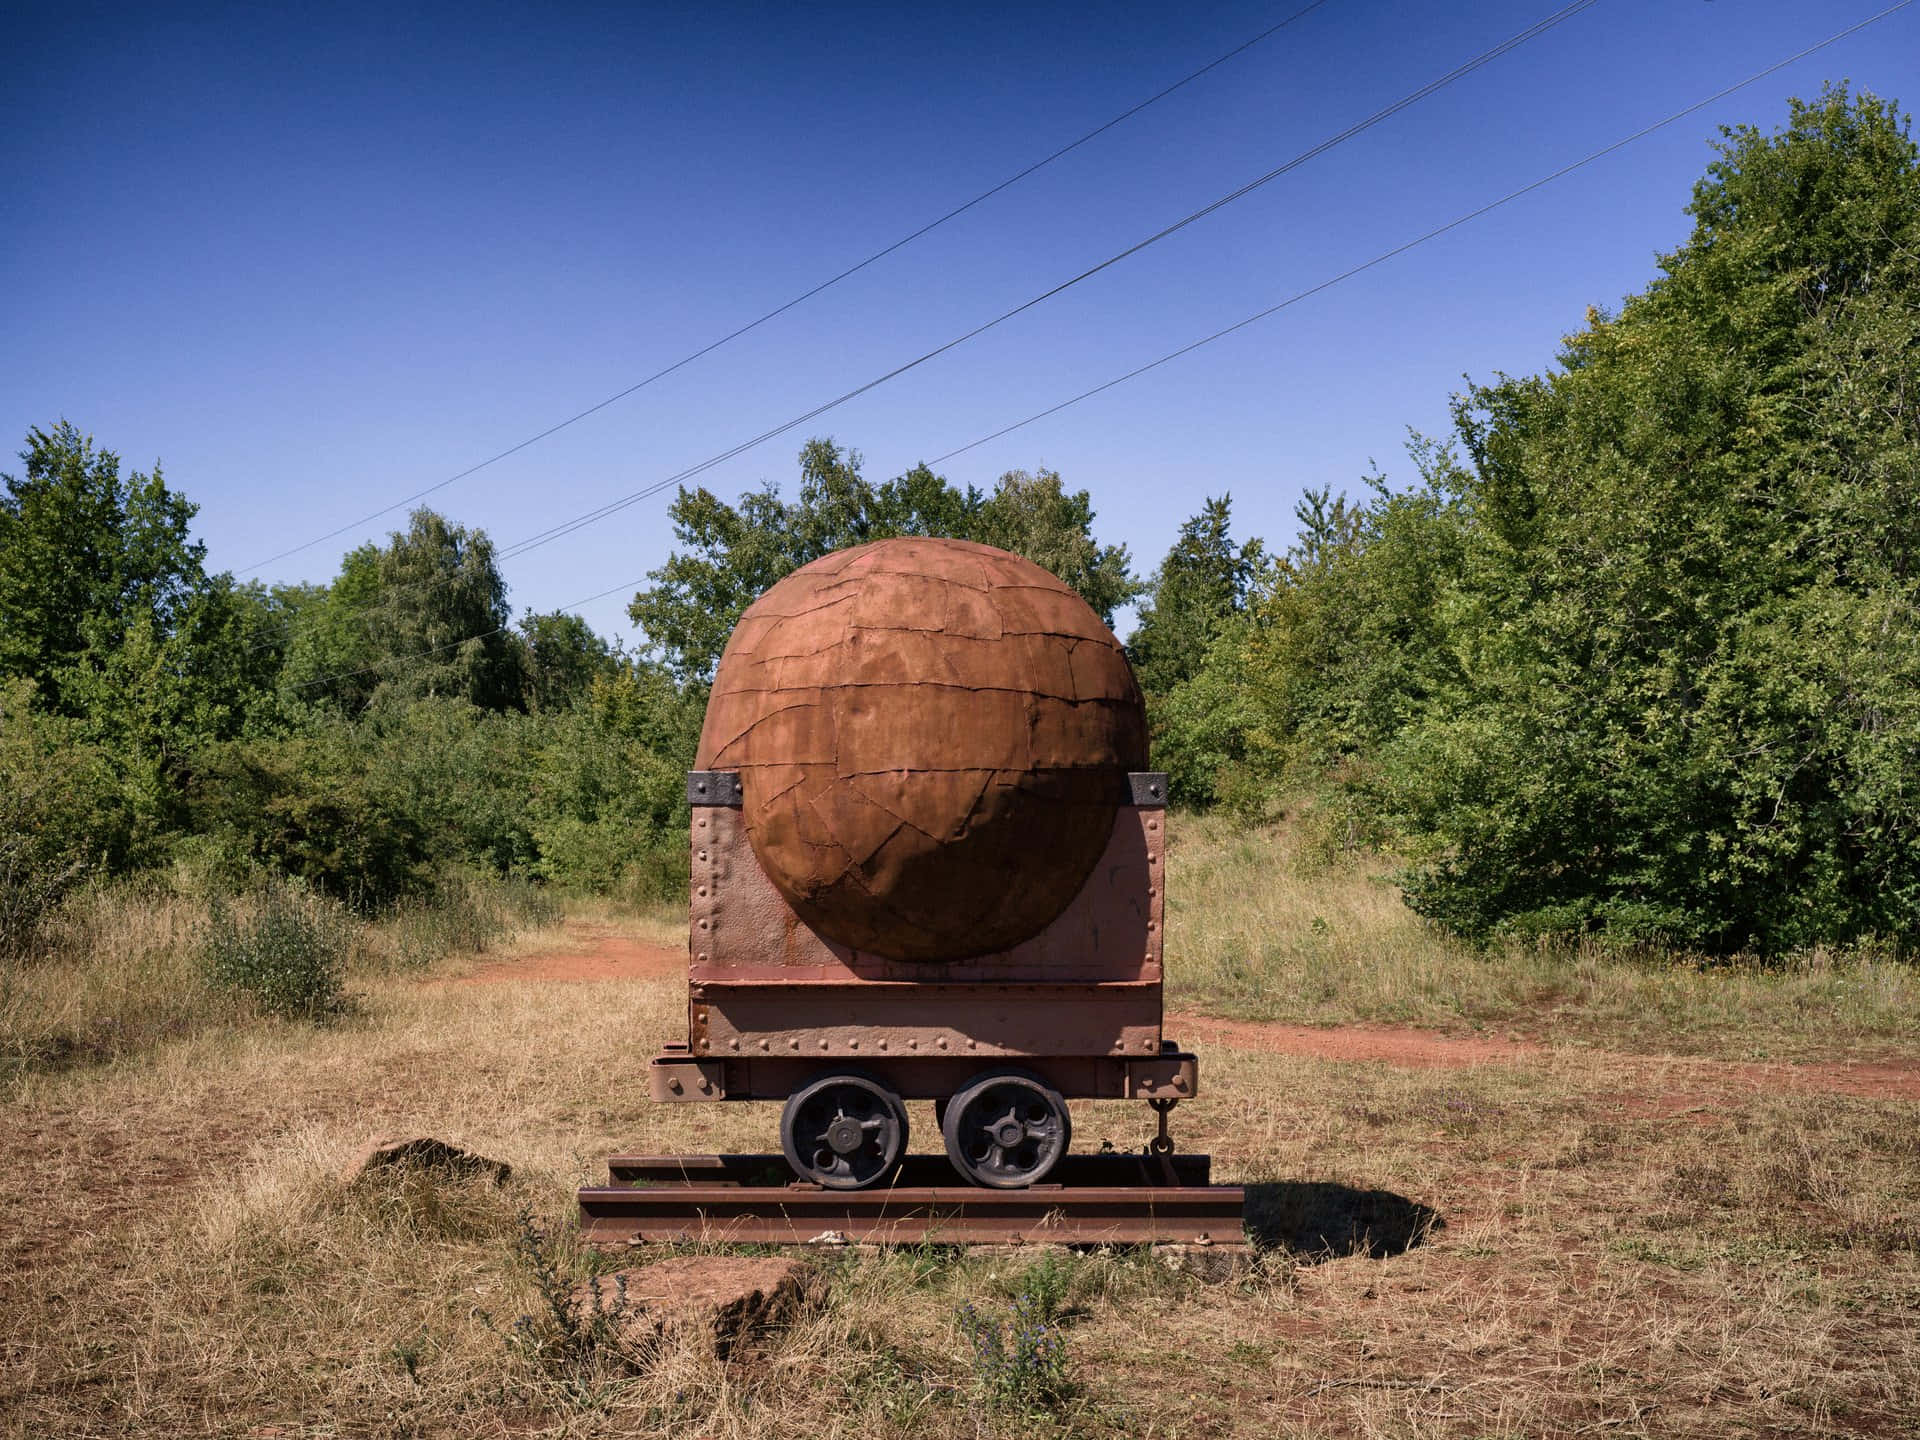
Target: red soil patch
pixel 1683 1081
pixel 1393 1044
pixel 610 957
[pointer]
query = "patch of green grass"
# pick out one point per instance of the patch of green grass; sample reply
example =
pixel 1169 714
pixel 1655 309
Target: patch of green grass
pixel 1266 925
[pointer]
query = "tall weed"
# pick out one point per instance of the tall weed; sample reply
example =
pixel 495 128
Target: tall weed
pixel 113 974
pixel 288 953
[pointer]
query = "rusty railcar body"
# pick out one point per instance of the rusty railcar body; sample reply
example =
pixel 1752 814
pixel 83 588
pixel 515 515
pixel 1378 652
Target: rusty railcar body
pixel 795 993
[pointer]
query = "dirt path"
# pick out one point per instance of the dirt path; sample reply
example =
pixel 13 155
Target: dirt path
pixel 1433 1050
pixel 612 956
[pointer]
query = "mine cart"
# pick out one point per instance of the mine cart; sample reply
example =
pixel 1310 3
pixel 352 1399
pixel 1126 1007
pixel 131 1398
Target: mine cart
pixel 927 862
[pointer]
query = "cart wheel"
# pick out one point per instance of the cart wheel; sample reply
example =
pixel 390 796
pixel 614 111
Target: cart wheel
pixel 1006 1129
pixel 845 1131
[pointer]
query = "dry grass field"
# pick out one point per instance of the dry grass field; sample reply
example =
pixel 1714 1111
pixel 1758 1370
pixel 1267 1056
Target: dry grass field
pixel 1689 1204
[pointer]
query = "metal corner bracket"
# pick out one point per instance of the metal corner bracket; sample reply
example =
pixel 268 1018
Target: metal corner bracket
pixel 1148 789
pixel 713 787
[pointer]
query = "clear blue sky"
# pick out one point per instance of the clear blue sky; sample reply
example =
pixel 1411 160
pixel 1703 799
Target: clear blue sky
pixel 315 258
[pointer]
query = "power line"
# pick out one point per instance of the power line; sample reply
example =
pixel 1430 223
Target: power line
pixel 804 296
pixel 1383 257
pixel 1432 234
pixel 1485 57
pixel 567 527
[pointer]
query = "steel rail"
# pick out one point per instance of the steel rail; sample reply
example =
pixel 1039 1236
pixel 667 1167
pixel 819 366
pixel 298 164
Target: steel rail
pixel 1101 1199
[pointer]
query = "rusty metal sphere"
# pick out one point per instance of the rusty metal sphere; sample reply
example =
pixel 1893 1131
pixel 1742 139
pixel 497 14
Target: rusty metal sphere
pixel 932 737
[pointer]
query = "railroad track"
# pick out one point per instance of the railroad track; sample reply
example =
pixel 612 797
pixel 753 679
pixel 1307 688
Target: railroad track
pixel 1094 1200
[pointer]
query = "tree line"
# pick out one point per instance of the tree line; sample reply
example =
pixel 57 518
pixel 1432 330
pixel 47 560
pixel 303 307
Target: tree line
pixel 1630 655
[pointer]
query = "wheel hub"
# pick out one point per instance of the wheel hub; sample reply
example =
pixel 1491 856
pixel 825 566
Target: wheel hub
pixel 844 1136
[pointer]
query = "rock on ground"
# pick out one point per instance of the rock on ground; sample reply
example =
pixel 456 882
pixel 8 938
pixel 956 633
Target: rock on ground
pixel 420 1152
pixel 730 1298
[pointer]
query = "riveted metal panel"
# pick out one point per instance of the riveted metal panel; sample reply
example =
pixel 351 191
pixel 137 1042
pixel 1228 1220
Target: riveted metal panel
pixel 713 787
pixel 1147 789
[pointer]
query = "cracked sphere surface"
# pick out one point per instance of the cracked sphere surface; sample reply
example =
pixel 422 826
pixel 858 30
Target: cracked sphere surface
pixel 933 738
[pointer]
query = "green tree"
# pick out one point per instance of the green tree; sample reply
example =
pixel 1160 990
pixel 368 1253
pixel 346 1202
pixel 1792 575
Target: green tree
pixel 424 615
pixel 563 659
pixel 608 795
pixel 1035 516
pixel 732 553
pixel 1201 585
pixel 1646 662
pixel 62 815
pixel 86 556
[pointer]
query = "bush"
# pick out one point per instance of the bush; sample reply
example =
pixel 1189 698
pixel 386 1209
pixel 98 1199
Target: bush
pixel 1640 660
pixel 306 806
pixel 1020 1360
pixel 61 816
pixel 289 954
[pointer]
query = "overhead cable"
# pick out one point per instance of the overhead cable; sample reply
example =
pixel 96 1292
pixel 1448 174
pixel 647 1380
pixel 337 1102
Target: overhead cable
pixel 1347 274
pixel 799 299
pixel 567 527
pixel 1432 234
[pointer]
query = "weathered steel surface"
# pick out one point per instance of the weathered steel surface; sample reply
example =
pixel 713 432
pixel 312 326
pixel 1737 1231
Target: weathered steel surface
pixel 932 738
pixel 1107 1169
pixel 778 1003
pixel 1147 789
pixel 713 787
pixel 743 930
pixel 730 1210
pixel 676 1075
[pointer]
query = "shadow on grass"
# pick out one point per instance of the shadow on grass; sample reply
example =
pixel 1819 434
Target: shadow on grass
pixel 1318 1220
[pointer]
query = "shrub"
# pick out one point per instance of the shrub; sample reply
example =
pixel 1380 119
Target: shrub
pixel 1020 1360
pixel 306 806
pixel 288 954
pixel 60 816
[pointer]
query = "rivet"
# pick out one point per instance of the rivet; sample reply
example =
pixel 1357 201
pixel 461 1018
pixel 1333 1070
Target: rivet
pixel 973 1045
pixel 701 892
pixel 853 1044
pixel 701 786
pixel 763 1044
pixel 913 1044
pixel 1149 925
pixel 823 1044
pixel 701 957
pixel 703 923
pixel 941 1042
pixel 733 1044
pixel 793 1044
pixel 673 1084
pixel 703 854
